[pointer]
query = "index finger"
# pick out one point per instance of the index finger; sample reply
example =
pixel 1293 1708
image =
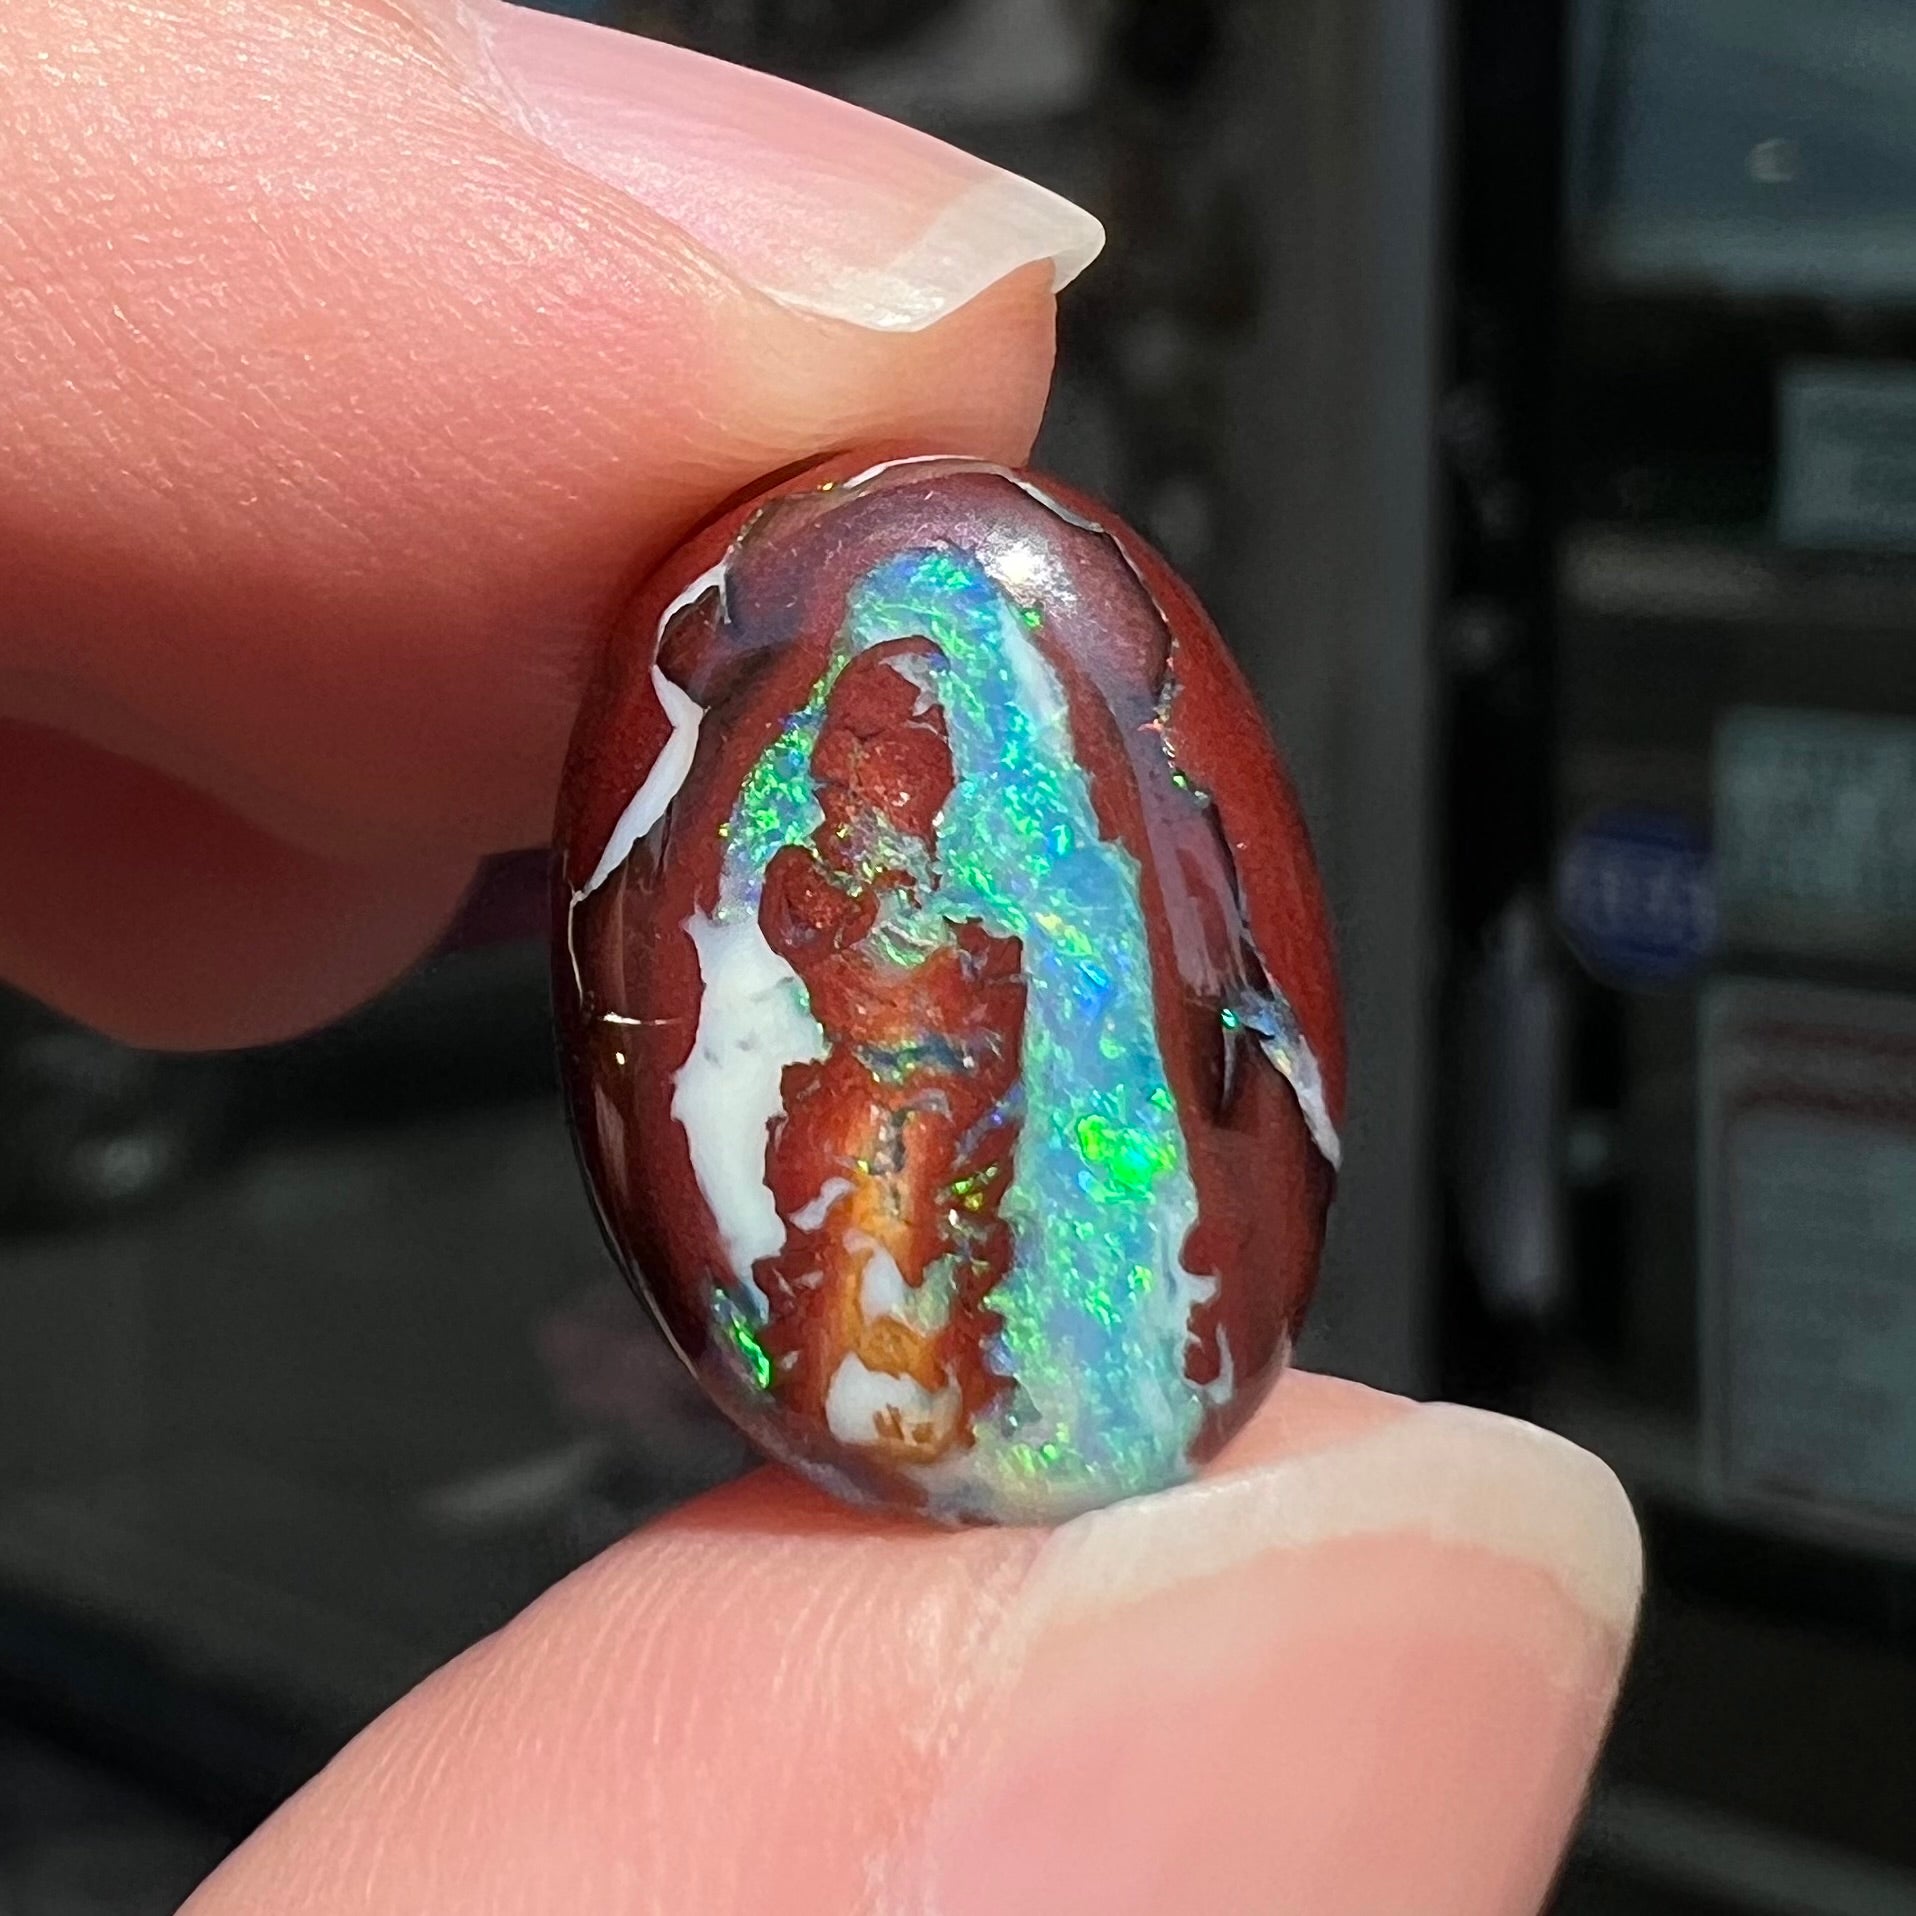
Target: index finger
pixel 360 358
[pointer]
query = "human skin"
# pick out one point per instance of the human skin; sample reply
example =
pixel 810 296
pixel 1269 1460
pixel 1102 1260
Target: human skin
pixel 356 359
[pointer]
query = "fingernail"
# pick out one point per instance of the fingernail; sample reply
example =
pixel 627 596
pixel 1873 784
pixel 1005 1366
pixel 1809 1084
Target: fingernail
pixel 823 206
pixel 1370 1677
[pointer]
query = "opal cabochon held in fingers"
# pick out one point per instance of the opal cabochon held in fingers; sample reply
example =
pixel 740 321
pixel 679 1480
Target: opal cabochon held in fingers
pixel 945 997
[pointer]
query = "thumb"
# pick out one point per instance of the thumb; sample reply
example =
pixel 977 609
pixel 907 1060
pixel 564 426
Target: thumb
pixel 361 354
pixel 1364 1666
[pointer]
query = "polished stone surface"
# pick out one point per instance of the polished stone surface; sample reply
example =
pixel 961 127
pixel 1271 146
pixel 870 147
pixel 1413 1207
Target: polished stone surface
pixel 947 1007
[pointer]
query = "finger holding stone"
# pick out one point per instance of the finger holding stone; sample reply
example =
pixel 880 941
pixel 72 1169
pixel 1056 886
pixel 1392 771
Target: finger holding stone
pixel 356 371
pixel 1364 1665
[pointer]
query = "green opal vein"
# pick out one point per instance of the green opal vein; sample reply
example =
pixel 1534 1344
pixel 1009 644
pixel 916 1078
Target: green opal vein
pixel 1096 1308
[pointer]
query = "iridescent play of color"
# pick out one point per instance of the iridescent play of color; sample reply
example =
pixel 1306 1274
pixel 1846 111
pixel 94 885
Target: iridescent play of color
pixel 949 1020
pixel 1097 1307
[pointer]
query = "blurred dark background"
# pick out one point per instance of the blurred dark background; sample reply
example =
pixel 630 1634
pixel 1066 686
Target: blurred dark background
pixel 1530 385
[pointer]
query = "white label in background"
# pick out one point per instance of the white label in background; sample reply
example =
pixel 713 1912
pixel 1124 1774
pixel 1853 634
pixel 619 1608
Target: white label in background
pixel 1846 456
pixel 1815 831
pixel 1809 1247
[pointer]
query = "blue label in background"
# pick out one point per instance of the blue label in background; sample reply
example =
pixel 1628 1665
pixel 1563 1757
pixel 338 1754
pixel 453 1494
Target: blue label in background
pixel 1635 896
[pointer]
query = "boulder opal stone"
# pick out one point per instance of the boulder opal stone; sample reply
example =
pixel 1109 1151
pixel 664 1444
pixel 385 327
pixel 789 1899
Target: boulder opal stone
pixel 947 1008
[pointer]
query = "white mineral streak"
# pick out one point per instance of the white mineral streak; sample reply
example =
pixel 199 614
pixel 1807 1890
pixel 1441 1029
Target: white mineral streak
pixel 659 786
pixel 815 1213
pixel 667 772
pixel 1223 1387
pixel 754 1020
pixel 881 1284
pixel 1295 1059
pixel 712 579
pixel 1038 688
pixel 1023 484
pixel 913 459
pixel 923 674
pixel 1165 1311
pixel 860 1405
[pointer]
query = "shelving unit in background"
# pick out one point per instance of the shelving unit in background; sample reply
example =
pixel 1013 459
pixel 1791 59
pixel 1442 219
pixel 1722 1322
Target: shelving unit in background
pixel 1704 600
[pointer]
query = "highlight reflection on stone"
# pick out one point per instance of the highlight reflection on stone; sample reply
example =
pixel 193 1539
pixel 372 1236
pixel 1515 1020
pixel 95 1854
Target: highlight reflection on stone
pixel 948 1014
